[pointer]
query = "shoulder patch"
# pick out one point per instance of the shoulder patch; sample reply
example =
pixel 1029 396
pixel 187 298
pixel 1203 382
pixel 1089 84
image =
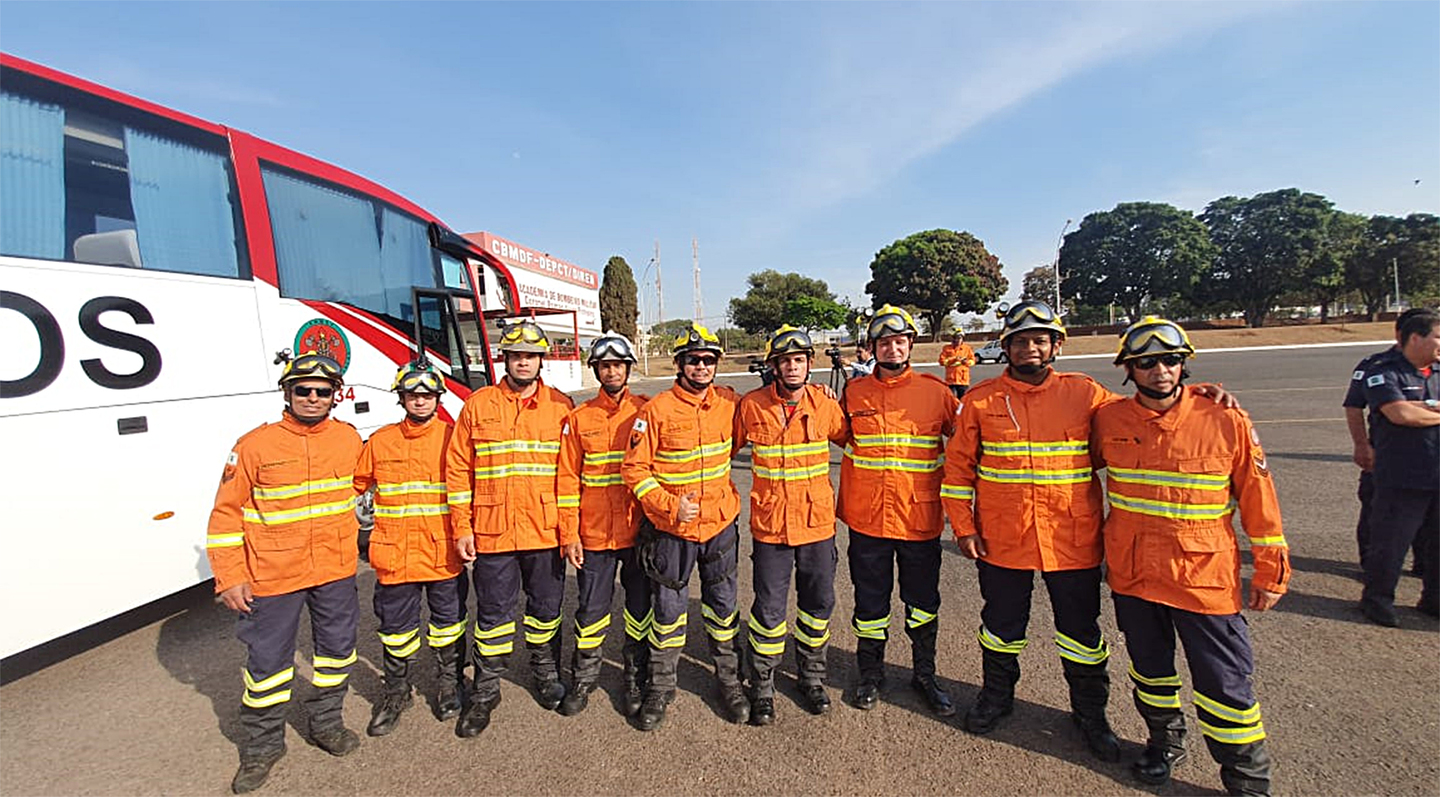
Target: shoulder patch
pixel 565 428
pixel 233 459
pixel 1254 436
pixel 1375 380
pixel 640 426
pixel 1358 375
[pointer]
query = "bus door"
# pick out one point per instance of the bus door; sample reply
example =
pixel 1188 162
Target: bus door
pixel 447 326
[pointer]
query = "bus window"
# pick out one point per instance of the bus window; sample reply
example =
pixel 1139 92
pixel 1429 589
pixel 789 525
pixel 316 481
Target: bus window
pixel 93 182
pixel 335 246
pixel 454 273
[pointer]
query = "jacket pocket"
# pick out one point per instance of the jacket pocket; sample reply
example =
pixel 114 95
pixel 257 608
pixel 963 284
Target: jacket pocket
pixel 1209 558
pixel 279 555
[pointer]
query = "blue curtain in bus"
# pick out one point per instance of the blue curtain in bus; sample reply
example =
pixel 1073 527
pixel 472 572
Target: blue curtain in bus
pixel 405 260
pixel 327 246
pixel 183 217
pixel 32 178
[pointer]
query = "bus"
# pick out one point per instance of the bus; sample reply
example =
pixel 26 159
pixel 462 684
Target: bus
pixel 156 270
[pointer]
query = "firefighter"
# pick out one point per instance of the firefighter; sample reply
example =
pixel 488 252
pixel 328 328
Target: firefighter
pixel 282 538
pixel 890 500
pixel 957 357
pixel 500 472
pixel 410 547
pixel 1022 496
pixel 598 520
pixel 1403 394
pixel 1177 467
pixel 789 426
pixel 678 466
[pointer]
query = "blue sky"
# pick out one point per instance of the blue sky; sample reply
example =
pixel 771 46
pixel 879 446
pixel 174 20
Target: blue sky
pixel 794 136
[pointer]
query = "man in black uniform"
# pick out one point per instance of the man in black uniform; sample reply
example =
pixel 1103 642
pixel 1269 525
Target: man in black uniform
pixel 1361 437
pixel 1403 394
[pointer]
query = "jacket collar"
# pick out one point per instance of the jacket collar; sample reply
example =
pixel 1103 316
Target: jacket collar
pixel 900 379
pixel 1170 419
pixel 1018 386
pixel 412 429
pixel 289 424
pixel 700 399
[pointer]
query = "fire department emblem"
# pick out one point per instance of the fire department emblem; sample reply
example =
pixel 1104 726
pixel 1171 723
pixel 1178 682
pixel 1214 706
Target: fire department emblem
pixel 325 338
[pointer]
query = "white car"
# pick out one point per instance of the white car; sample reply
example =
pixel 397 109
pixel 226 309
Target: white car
pixel 990 353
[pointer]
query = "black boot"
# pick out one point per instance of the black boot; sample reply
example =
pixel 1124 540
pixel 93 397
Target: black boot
pixel 450 675
pixel 584 671
pixel 727 680
pixel 870 660
pixel 545 666
pixel 636 654
pixel 1244 768
pixel 652 710
pixel 484 697
pixel 327 725
pixel 762 698
pixel 254 770
pixel 922 652
pixel 1165 749
pixel 997 693
pixel 1089 694
pixel 264 745
pixel 577 698
pixel 664 669
pixel 396 698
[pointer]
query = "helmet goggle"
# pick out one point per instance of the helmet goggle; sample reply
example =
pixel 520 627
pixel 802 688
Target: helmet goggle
pixel 418 381
pixel 788 340
pixel 525 336
pixel 1152 335
pixel 1041 312
pixel 611 347
pixel 311 366
pixel 890 320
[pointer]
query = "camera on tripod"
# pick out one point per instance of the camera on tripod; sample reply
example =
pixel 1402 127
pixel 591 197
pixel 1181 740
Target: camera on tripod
pixel 834 354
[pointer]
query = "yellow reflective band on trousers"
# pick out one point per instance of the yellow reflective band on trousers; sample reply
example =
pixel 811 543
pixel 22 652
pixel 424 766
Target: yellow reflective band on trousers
pixel 1157 700
pixel 1031 448
pixel 1079 653
pixel 688 455
pixel 1246 734
pixel 1166 509
pixel 811 631
pixel 446 636
pixel 265 685
pixel 324 676
pixel 914 618
pixel 767 641
pixel 957 492
pixel 1223 712
pixel 591 636
pixel 995 643
pixel 516 447
pixel 403 644
pixel 1034 475
pixel 1164 680
pixel 871 629
pixel 638 629
pixel 721 629
pixel 225 540
pixel 660 633
pixel 538 632
pixel 495 641
pixel 1166 478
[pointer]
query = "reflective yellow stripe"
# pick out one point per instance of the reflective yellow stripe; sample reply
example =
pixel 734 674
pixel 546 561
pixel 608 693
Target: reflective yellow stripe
pixel 710 615
pixel 1158 701
pixel 516 447
pixel 1075 651
pixel 594 628
pixel 1280 540
pixel 767 648
pixel 645 486
pixel 396 640
pixel 914 618
pixel 817 623
pixel 509 469
pixel 871 629
pixel 538 631
pixel 567 501
pixel 604 457
pixel 411 510
pixel 497 631
pixel 1247 716
pixel 303 513
pixel 804 473
pixel 810 640
pixel 504 648
pixel 673 642
pixel 1031 448
pixel 909 441
pixel 995 643
pixel 444 637
pixel 794 450
pixel 894 463
pixel 957 492
pixel 269 683
pixel 1243 735
pixel 759 628
pixel 1166 478
pixel 224 540
pixel 411 488
pixel 326 661
pixel 459 499
pixel 325 680
pixel 663 628
pixel 266 701
pixel 691 477
pixel 1141 506
pixel 687 455
pixel 602 480
pixel 1167 680
pixel 637 629
pixel 303 488
pixel 1034 476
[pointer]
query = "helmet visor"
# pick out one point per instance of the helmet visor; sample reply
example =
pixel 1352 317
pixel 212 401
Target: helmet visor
pixel 1040 312
pixel 610 349
pixel 420 382
pixel 888 324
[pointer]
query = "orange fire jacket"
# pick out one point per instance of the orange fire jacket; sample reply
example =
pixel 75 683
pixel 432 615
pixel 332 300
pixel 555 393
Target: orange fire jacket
pixel 1173 481
pixel 792 501
pixel 596 508
pixel 681 443
pixel 1018 472
pixel 890 476
pixel 405 463
pixel 284 516
pixel 500 468
pixel 957 360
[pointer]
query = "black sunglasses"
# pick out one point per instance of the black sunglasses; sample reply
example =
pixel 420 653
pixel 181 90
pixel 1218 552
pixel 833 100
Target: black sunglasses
pixel 1146 363
pixel 698 360
pixel 306 392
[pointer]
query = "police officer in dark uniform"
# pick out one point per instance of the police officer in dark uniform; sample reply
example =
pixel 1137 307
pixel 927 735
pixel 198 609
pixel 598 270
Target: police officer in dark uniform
pixel 1363 439
pixel 1403 394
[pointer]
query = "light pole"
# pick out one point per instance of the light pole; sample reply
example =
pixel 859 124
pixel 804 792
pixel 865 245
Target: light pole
pixel 1059 242
pixel 644 304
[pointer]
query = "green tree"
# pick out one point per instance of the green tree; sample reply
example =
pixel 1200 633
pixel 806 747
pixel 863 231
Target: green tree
pixel 1410 245
pixel 763 306
pixel 811 313
pixel 1324 280
pixel 937 272
pixel 1133 256
pixel 664 333
pixel 1039 285
pixel 1264 246
pixel 618 298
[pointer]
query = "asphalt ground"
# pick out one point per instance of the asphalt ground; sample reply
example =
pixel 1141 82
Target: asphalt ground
pixel 1350 708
